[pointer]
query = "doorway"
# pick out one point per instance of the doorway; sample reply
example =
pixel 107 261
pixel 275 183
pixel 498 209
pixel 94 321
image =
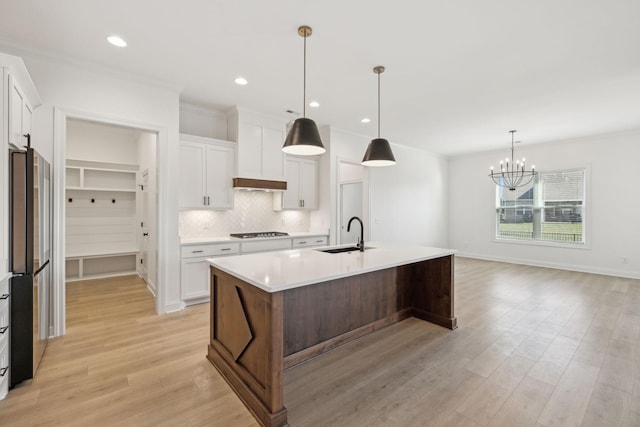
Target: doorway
pixel 110 203
pixel 352 200
pixel 350 206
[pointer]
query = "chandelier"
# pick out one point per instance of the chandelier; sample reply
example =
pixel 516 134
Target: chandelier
pixel 513 175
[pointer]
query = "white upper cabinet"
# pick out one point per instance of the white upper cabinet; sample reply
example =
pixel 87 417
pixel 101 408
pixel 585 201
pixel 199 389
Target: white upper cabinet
pixel 206 173
pixel 22 99
pixel 260 140
pixel 302 184
pixel 20 114
pixel 18 98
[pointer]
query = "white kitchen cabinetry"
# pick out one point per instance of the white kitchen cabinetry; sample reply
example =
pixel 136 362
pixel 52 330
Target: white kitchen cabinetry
pixel 4 336
pixel 309 242
pixel 302 185
pixel 20 113
pixel 260 140
pixel 206 173
pixel 18 98
pixel 195 269
pixel 100 220
pixel 266 245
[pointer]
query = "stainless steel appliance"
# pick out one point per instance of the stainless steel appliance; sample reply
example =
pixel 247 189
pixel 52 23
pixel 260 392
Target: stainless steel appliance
pixel 258 234
pixel 29 260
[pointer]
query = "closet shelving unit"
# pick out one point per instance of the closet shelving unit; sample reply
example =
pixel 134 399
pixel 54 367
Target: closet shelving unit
pixel 101 238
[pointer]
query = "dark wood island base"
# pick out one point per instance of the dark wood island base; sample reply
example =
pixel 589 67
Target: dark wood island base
pixel 255 335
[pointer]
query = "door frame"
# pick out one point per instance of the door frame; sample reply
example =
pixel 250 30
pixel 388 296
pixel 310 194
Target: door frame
pixel 60 117
pixel 365 197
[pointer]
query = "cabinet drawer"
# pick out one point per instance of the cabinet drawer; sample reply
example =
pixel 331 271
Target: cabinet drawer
pixel 4 370
pixel 208 250
pixel 4 286
pixel 4 324
pixel 305 242
pixel 266 245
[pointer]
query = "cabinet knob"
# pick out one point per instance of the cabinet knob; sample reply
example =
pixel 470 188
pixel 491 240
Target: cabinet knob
pixel 196 252
pixel 302 243
pixel 225 249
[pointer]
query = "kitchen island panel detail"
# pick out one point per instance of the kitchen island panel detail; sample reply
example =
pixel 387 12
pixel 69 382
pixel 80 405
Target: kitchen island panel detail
pixel 330 309
pixel 256 373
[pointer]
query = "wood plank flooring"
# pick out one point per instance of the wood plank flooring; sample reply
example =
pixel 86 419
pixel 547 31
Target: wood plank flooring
pixel 534 347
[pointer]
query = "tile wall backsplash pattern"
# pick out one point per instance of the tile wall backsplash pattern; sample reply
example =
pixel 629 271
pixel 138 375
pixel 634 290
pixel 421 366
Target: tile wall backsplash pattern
pixel 253 211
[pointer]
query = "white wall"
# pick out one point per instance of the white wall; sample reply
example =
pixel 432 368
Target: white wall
pixel 405 203
pixel 147 159
pixel 612 204
pixel 104 143
pixel 409 200
pixel 200 121
pixel 86 93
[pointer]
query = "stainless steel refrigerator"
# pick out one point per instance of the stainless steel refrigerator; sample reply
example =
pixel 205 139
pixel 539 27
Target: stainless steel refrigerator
pixel 29 257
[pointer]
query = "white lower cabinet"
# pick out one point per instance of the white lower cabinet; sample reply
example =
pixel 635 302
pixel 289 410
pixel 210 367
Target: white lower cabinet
pixel 4 336
pixel 194 275
pixel 266 245
pixel 309 242
pixel 194 281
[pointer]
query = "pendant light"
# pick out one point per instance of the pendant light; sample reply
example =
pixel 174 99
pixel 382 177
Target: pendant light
pixel 303 138
pixel 379 151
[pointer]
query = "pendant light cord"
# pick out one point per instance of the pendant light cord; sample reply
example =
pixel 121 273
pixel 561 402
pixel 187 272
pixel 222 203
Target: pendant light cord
pixel 304 80
pixel 378 105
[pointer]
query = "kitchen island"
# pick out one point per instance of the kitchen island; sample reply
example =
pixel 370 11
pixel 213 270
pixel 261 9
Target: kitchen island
pixel 272 311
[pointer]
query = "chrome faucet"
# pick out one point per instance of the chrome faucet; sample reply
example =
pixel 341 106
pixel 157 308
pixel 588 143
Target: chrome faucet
pixel 360 244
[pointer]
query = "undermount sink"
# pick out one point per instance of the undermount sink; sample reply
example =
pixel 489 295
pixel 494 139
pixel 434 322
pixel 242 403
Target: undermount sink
pixel 344 249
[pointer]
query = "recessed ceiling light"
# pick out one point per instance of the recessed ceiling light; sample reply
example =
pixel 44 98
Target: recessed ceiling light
pixel 116 41
pixel 241 81
pixel 314 104
pixel 365 120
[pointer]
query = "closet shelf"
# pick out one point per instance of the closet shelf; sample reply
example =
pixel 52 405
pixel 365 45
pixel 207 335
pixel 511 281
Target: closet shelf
pixel 99 254
pixel 121 190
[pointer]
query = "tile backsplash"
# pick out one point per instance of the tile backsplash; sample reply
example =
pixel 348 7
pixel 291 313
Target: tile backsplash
pixel 253 211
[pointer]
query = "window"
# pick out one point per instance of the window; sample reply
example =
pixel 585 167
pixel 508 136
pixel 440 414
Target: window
pixel 550 209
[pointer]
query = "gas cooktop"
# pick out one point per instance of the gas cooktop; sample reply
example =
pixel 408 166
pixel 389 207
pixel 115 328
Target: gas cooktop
pixel 259 234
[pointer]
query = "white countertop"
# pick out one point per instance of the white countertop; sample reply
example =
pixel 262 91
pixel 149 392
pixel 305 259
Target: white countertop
pixel 278 271
pixel 204 240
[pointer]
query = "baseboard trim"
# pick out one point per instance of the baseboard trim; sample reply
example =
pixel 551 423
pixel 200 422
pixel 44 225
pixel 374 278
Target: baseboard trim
pixel 557 266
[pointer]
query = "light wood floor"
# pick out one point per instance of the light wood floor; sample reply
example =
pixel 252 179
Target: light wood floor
pixel 534 347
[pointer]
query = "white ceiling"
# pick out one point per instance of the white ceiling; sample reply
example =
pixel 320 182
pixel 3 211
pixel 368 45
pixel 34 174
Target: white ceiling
pixel 459 73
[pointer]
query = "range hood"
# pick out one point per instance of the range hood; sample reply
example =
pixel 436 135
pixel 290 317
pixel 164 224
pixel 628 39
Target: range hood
pixel 258 184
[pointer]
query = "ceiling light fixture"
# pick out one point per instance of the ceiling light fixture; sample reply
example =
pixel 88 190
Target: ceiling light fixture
pixel 366 120
pixel 116 41
pixel 513 176
pixel 241 81
pixel 303 138
pixel 379 151
pixel 314 104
